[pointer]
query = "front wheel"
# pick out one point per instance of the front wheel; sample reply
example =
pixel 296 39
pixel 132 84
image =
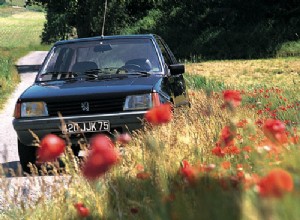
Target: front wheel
pixel 27 155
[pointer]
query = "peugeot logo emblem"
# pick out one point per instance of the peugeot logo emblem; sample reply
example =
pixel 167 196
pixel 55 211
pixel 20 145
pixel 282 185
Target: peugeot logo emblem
pixel 85 106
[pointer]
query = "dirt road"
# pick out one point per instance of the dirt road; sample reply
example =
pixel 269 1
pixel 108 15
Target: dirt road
pixel 27 69
pixel 15 191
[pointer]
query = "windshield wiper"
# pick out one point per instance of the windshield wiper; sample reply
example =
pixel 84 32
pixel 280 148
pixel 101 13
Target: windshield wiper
pixel 136 72
pixel 57 75
pixel 107 77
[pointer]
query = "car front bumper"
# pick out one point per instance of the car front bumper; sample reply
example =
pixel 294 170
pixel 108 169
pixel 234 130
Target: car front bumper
pixel 121 122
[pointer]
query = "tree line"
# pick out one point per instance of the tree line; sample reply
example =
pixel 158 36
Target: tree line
pixel 206 29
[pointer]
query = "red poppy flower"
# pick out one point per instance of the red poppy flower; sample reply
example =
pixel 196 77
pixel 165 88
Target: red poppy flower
pixel 159 114
pixel 82 211
pixel 275 131
pixel 101 157
pixel 226 165
pixel 227 136
pixel 240 175
pixel 247 149
pixel 188 172
pixel 139 167
pixel 134 210
pixel 242 123
pixel 232 98
pixel 295 139
pixel 143 175
pixel 51 147
pixel 231 150
pixel 218 151
pixel 275 184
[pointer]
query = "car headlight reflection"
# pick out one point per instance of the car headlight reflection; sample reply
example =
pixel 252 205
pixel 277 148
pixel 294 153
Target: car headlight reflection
pixel 33 109
pixel 138 102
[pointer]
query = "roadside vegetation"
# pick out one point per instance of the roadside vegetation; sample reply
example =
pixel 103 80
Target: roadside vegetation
pixel 233 155
pixel 20 31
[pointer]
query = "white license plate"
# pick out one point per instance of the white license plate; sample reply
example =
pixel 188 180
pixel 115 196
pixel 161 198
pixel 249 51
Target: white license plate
pixel 89 126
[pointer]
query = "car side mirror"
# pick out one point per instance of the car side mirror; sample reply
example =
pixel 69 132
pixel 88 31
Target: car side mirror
pixel 177 69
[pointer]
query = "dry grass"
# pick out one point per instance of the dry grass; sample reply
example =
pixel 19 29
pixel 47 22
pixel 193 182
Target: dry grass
pixel 191 135
pixel 243 74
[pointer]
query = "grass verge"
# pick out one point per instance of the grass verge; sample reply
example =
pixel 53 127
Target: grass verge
pixel 19 34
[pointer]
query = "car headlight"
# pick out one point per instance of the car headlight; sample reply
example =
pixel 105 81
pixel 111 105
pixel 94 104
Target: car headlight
pixel 138 102
pixel 33 109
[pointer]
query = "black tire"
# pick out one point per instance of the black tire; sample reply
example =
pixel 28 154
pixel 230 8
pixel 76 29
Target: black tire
pixel 27 155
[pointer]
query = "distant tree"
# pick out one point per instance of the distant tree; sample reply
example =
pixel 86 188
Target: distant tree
pixel 209 29
pixel 86 16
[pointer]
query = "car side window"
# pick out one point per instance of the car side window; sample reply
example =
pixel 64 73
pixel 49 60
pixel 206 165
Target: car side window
pixel 164 52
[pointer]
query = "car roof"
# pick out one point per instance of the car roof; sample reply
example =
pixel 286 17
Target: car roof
pixel 137 36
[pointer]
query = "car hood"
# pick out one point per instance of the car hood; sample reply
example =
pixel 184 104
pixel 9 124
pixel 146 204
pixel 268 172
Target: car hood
pixel 103 88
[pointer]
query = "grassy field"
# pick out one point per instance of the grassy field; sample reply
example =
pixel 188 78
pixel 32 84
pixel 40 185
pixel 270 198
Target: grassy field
pixel 172 171
pixel 19 33
pixel 247 74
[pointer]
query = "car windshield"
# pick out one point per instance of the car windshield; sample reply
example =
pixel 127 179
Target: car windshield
pixel 113 56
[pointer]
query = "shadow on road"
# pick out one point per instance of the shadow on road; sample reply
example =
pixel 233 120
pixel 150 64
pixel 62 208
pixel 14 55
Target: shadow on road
pixel 27 68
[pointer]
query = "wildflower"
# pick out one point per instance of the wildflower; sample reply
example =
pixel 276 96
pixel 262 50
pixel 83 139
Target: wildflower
pixel 259 122
pixel 226 165
pixel 295 139
pixel 247 149
pixel 134 210
pixel 143 175
pixel 275 184
pixel 231 150
pixel 124 138
pixel 275 131
pixel 139 167
pixel 232 98
pixel 188 172
pixel 260 112
pixel 101 157
pixel 82 211
pixel 51 147
pixel 242 123
pixel 159 114
pixel 240 175
pixel 227 136
pixel 218 151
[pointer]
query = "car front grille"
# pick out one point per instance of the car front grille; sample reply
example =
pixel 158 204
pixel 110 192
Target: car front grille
pixel 85 107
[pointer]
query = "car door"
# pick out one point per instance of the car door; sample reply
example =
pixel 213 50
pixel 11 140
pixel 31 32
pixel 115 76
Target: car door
pixel 173 84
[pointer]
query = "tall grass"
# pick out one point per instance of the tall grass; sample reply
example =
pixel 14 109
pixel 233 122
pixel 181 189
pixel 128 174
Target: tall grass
pixel 162 192
pixel 19 33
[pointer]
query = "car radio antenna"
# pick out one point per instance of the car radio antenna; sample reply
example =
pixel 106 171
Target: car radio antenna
pixel 103 24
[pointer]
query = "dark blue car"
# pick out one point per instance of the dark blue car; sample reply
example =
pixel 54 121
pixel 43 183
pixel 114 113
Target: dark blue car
pixel 99 84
